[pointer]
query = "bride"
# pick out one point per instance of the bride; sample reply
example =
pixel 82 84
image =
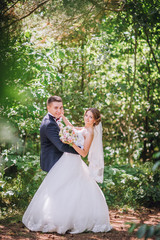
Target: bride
pixel 69 199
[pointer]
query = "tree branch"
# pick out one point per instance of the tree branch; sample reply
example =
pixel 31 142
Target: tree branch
pixel 10 7
pixel 19 19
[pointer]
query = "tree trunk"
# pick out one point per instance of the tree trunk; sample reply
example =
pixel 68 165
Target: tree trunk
pixel 146 122
pixel 130 151
pixel 150 46
pixel 83 67
pixel 61 71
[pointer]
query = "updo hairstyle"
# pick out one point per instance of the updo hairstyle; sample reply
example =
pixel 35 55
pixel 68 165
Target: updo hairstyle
pixel 96 115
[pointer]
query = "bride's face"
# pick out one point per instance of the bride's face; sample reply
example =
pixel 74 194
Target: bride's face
pixel 89 119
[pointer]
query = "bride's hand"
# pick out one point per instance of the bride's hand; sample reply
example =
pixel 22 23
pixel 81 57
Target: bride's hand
pixel 62 112
pixel 66 121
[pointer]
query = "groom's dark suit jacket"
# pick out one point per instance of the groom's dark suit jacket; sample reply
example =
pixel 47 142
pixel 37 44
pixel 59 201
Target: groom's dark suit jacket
pixel 51 146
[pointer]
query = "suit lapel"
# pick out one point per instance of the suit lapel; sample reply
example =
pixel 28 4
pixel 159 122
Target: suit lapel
pixel 52 119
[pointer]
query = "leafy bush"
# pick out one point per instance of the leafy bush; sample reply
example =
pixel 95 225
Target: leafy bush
pixel 20 178
pixel 132 186
pixel 123 185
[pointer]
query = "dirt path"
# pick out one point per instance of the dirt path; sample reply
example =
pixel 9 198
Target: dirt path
pixel 118 219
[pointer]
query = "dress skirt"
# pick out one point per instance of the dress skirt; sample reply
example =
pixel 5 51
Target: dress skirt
pixel 68 199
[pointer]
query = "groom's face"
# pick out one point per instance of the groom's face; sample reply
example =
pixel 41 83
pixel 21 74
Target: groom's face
pixel 55 108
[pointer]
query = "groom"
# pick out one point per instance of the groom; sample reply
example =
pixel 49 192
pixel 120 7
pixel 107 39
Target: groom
pixel 51 146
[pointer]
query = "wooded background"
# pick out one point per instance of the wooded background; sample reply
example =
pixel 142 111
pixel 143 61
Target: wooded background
pixel 92 53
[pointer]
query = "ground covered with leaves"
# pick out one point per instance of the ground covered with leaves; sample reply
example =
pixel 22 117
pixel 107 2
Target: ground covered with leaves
pixel 12 228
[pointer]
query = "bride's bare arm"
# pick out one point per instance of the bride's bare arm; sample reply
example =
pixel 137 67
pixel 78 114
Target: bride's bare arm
pixel 66 121
pixel 87 143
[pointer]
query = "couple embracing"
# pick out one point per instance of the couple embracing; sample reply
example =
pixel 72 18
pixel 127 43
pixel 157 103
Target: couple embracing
pixel 69 199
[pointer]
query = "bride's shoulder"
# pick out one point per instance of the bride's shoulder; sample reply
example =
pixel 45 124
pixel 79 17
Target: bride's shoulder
pixel 83 130
pixel 80 131
pixel 88 132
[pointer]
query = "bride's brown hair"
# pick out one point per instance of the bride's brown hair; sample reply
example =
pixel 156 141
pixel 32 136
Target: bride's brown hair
pixel 96 115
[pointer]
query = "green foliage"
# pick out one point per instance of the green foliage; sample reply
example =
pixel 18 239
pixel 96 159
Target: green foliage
pixel 157 164
pixel 145 231
pixel 131 186
pixel 122 186
pixel 19 180
pixel 60 70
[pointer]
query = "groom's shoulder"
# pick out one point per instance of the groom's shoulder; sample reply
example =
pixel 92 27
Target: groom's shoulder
pixel 46 117
pixel 47 120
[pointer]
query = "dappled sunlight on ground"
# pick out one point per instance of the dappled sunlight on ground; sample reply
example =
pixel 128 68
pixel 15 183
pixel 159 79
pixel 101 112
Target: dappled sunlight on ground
pixel 118 220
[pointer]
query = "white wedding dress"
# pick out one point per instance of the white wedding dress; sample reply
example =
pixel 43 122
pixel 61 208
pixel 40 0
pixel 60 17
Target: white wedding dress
pixel 68 199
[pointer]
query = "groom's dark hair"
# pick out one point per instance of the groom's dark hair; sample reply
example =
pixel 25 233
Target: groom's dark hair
pixel 53 99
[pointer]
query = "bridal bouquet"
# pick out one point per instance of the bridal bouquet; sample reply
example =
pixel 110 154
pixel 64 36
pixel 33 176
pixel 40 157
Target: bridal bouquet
pixel 68 135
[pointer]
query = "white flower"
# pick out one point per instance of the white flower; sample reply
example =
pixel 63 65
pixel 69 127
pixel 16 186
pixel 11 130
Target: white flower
pixel 68 134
